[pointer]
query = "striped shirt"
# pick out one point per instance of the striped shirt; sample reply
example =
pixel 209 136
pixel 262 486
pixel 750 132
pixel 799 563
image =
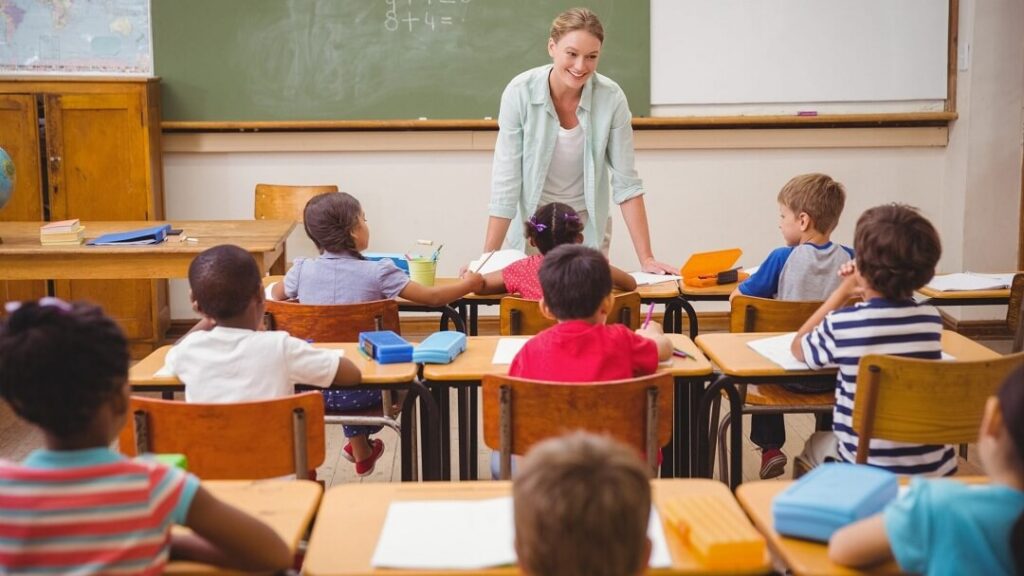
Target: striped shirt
pixel 89 511
pixel 899 328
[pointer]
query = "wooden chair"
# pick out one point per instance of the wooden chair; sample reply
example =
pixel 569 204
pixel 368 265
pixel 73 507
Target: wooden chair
pixel 750 314
pixel 924 401
pixel 519 413
pixel 281 202
pixel 242 440
pixel 1015 312
pixel 519 316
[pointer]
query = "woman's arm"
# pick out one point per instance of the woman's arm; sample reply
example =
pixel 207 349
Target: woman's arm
pixel 635 214
pixel 497 228
pixel 506 169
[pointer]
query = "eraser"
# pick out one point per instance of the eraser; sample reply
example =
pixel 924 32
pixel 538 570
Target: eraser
pixel 423 117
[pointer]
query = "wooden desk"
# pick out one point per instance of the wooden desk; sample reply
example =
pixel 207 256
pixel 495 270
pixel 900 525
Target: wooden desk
pixel 470 367
pixel 354 514
pixel 142 377
pixel 964 297
pixel 737 363
pixel 23 258
pixel 676 296
pixel 287 506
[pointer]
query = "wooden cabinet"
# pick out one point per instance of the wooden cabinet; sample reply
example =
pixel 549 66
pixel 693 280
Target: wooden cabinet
pixel 89 149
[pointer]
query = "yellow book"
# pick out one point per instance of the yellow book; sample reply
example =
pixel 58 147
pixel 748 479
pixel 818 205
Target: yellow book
pixel 717 530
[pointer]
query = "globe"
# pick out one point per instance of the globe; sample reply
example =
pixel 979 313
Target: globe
pixel 6 177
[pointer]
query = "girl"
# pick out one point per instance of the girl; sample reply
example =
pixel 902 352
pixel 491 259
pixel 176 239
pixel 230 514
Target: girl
pixel 947 527
pixel 551 225
pixel 77 506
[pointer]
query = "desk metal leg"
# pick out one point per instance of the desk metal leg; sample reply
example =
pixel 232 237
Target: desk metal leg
pixel 702 444
pixel 430 434
pixel 473 428
pixel 474 319
pixel 467 430
pixel 674 310
pixel 687 403
pixel 439 392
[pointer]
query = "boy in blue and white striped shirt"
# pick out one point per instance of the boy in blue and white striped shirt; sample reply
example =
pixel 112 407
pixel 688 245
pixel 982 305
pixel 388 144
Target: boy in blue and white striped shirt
pixel 896 253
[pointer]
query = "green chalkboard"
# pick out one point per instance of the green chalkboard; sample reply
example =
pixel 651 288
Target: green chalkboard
pixel 281 60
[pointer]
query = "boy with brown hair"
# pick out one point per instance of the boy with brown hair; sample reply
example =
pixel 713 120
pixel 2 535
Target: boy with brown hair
pixel 582 504
pixel 806 268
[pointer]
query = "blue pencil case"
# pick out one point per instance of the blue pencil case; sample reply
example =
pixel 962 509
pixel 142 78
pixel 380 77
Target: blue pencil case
pixel 395 257
pixel 440 348
pixel 830 497
pixel 385 347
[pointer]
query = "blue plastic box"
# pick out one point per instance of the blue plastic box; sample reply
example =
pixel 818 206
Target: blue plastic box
pixel 440 348
pixel 385 347
pixel 398 259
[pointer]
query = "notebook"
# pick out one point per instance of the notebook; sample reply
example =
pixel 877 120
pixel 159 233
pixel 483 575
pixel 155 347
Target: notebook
pixel 142 236
pixel 970 281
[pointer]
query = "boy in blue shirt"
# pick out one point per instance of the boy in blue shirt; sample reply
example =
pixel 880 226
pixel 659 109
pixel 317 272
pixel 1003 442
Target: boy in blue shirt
pixel 806 268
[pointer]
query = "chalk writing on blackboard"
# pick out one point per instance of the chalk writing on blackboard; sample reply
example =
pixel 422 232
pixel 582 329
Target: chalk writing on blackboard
pixel 415 15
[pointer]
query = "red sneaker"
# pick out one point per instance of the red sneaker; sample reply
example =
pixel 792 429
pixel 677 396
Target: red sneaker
pixel 365 467
pixel 346 451
pixel 773 463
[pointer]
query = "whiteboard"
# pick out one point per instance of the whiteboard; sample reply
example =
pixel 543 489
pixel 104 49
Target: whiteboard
pixel 722 52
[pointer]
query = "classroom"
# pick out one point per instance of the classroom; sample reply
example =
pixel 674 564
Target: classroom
pixel 397 103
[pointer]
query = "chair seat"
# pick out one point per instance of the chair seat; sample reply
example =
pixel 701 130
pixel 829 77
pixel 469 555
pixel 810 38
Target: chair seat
pixel 779 396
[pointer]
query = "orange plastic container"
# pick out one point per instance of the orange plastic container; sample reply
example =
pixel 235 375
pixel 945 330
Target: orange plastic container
pixel 703 268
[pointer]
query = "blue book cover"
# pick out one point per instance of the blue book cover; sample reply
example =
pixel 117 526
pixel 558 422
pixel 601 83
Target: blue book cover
pixel 151 235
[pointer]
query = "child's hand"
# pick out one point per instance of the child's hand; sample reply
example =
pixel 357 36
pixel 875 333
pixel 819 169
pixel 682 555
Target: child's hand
pixel 475 280
pixel 653 328
pixel 847 269
pixel 850 287
pixel 205 323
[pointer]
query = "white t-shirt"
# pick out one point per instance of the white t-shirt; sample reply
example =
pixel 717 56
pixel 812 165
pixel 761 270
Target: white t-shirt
pixel 564 182
pixel 238 365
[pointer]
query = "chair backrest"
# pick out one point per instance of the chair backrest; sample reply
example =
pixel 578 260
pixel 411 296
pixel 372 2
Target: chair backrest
pixel 750 314
pixel 334 322
pixel 280 202
pixel 518 413
pixel 239 441
pixel 924 401
pixel 521 317
pixel 1015 312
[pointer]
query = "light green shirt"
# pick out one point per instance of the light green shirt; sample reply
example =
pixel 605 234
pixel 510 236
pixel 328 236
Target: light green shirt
pixel 527 132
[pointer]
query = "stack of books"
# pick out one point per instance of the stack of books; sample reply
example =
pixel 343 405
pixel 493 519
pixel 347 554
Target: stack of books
pixel 62 233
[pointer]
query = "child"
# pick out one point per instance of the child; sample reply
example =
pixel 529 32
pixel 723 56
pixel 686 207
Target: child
pixel 228 358
pixel 946 527
pixel 551 225
pixel 75 505
pixel 897 250
pixel 806 268
pixel 340 275
pixel 582 504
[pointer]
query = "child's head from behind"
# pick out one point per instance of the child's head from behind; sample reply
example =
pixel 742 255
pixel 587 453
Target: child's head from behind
pixel 63 366
pixel 552 225
pixel 810 201
pixel 582 504
pixel 575 280
pixel 225 282
pixel 336 224
pixel 1001 445
pixel 897 250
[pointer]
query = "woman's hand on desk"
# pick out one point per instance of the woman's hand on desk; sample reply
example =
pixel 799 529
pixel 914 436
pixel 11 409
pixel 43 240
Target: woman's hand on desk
pixel 653 266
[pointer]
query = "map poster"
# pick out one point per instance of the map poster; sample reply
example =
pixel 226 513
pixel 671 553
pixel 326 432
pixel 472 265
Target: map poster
pixel 75 37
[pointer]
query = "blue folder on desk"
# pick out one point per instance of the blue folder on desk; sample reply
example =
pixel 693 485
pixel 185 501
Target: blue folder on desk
pixel 151 235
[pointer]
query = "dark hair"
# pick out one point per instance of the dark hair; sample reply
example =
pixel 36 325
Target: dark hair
pixel 553 224
pixel 329 220
pixel 60 362
pixel 575 279
pixel 897 249
pixel 224 279
pixel 1011 403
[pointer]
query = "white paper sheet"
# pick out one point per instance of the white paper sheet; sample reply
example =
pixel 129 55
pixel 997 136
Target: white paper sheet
pixel 776 349
pixel 970 281
pixel 466 535
pixel 498 261
pixel 507 349
pixel 646 278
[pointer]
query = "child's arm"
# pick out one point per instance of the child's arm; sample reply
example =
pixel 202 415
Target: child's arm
pixel 226 536
pixel 494 283
pixel 348 374
pixel 838 299
pixel 205 323
pixel 622 280
pixel 277 291
pixel 441 295
pixel 860 544
pixel 653 331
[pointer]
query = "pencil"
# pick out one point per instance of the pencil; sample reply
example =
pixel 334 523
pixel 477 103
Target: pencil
pixel 682 353
pixel 650 314
pixel 481 266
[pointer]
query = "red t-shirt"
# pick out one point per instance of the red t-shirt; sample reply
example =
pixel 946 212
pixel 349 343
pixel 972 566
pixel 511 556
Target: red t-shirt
pixel 521 277
pixel 578 351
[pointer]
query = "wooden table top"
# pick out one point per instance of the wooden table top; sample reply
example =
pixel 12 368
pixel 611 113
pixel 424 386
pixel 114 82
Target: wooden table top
pixel 287 506
pixel 732 356
pixel 671 289
pixel 354 514
pixel 1003 293
pixel 143 373
pixel 475 362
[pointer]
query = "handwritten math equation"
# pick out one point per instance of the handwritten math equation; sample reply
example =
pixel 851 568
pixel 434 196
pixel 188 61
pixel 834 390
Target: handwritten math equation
pixel 430 15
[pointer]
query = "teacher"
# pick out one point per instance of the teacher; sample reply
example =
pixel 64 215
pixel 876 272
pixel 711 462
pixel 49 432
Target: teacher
pixel 565 135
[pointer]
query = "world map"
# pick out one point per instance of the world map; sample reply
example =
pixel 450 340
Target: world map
pixel 75 36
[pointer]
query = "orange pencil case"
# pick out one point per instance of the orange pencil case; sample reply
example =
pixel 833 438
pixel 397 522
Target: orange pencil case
pixel 713 268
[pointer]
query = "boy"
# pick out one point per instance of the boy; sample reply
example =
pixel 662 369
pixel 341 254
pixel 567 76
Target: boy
pixel 227 358
pixel 897 250
pixel 582 503
pixel 807 269
pixel 577 286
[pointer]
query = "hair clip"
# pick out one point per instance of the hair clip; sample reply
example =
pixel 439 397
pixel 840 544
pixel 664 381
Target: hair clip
pixel 537 226
pixel 45 301
pixel 570 217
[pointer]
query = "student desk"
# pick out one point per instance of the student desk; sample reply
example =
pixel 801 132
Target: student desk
pixel 677 296
pixel 964 297
pixel 470 367
pixel 22 257
pixel 737 363
pixel 287 506
pixel 142 377
pixel 354 514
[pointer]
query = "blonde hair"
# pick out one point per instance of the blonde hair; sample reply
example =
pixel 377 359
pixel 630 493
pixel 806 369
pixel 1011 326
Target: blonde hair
pixel 577 19
pixel 582 503
pixel 821 197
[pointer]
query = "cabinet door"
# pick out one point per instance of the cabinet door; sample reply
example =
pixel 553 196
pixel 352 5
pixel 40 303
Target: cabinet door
pixel 96 164
pixel 19 136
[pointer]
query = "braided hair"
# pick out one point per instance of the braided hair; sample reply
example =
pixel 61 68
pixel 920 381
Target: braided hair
pixel 552 225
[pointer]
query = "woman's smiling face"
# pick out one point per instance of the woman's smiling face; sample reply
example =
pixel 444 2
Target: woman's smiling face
pixel 575 58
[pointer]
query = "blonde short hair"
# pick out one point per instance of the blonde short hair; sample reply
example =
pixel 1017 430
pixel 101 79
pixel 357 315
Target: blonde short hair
pixel 821 197
pixel 582 503
pixel 577 19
